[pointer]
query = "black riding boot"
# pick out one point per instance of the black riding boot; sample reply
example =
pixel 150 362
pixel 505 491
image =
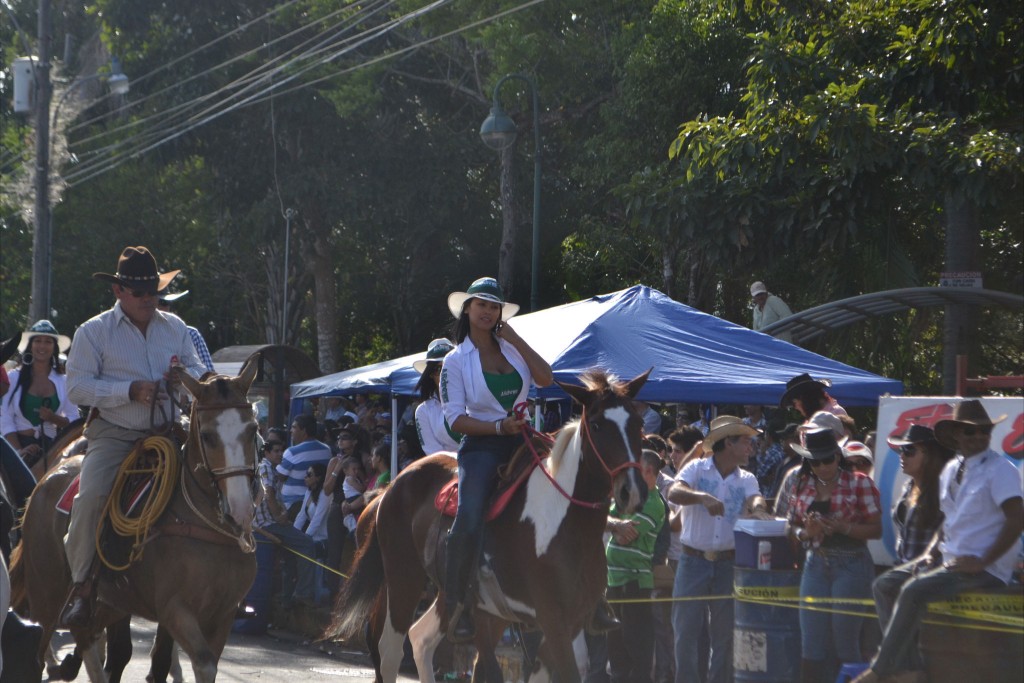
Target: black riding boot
pixel 460 570
pixel 20 642
pixel 602 619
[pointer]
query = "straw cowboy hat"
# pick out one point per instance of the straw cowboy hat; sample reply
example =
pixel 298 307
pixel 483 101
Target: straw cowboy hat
pixel 136 269
pixel 965 413
pixel 797 385
pixel 436 351
pixel 820 443
pixel 167 298
pixel 44 328
pixel 486 288
pixel 725 426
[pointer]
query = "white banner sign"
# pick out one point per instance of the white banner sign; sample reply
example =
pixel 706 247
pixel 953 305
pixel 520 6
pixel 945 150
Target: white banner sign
pixel 897 413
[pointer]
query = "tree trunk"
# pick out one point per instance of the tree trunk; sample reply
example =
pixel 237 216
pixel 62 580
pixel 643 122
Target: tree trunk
pixel 325 296
pixel 509 224
pixel 959 334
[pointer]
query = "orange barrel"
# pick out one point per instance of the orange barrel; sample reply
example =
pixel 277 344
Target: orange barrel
pixel 975 636
pixel 766 637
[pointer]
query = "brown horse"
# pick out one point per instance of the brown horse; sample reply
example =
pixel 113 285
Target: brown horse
pixel 198 561
pixel 544 557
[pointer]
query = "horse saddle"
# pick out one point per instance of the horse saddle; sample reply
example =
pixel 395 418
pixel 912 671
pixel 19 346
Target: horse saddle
pixel 510 478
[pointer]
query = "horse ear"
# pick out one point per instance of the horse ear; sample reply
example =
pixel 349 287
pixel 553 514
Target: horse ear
pixel 633 386
pixel 181 376
pixel 247 376
pixel 580 394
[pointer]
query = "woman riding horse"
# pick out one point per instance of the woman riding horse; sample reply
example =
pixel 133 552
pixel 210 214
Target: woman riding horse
pixel 482 379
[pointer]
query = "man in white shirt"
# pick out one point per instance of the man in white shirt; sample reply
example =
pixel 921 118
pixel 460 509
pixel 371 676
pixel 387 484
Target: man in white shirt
pixel 716 492
pixel 117 362
pixel 981 497
pixel 768 309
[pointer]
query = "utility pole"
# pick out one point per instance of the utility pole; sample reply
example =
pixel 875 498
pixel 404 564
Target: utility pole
pixel 41 235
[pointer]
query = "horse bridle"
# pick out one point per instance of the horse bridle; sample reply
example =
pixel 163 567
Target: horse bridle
pixel 221 473
pixel 520 412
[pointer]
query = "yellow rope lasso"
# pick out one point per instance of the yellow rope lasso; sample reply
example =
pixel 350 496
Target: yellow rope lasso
pixel 164 472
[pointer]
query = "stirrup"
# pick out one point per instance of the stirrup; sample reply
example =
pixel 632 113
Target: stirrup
pixel 460 616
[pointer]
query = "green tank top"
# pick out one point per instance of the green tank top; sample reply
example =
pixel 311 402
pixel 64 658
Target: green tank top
pixel 30 406
pixel 505 388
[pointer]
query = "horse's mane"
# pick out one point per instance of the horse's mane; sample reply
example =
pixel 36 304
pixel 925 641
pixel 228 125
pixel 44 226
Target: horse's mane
pixel 597 381
pixel 565 436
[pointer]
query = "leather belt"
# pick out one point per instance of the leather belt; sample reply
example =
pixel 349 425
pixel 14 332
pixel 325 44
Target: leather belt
pixel 710 555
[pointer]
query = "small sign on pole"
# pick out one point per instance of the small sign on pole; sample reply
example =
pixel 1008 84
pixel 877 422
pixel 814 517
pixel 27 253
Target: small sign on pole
pixel 962 279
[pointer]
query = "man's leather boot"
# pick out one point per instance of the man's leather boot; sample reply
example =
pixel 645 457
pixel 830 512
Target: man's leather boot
pixel 78 612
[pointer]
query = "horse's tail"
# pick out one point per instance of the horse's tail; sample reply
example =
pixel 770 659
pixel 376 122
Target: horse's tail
pixel 359 594
pixel 16 570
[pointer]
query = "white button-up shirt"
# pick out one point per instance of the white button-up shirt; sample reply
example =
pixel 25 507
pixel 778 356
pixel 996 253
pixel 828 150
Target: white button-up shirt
pixel 701 530
pixel 972 509
pixel 431 428
pixel 13 420
pixel 109 353
pixel 464 390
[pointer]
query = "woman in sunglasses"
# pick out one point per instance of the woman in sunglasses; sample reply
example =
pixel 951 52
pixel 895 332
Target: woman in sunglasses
pixel 916 517
pixel 834 512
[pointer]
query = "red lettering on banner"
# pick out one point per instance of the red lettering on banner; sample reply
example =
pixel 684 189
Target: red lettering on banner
pixel 1013 444
pixel 926 416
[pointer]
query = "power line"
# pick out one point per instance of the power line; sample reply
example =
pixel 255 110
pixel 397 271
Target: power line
pixel 84 175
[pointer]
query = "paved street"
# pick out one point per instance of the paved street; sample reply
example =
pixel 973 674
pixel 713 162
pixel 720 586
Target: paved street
pixel 273 658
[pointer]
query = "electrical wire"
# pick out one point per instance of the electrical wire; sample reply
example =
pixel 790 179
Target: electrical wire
pixel 211 113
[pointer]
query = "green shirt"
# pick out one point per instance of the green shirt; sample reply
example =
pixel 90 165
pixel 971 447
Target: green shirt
pixel 504 387
pixel 633 562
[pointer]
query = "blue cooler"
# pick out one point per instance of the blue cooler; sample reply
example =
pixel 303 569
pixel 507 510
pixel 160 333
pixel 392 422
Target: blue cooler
pixel 748 533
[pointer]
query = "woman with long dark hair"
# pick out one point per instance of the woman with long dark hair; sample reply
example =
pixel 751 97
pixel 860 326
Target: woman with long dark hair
pixel 488 373
pixel 833 513
pixel 916 517
pixel 808 396
pixel 434 432
pixel 37 405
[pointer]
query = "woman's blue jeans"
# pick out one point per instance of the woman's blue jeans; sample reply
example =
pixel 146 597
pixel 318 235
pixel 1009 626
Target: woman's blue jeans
pixel 834 574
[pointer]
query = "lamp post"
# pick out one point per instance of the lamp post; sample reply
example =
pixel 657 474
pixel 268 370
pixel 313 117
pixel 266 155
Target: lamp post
pixel 498 132
pixel 42 236
pixel 119 85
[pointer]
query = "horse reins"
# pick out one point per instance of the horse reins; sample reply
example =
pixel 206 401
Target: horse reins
pixel 528 431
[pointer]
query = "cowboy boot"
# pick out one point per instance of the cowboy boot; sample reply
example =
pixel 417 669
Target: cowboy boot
pixel 459 566
pixel 602 619
pixel 78 611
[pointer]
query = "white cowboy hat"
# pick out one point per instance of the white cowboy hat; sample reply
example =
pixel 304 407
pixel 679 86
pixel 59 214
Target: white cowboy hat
pixel 486 288
pixel 44 328
pixel 436 351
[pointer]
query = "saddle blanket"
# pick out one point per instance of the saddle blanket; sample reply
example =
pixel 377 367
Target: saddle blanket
pixel 67 500
pixel 447 499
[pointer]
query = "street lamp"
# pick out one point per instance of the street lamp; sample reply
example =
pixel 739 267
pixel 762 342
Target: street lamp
pixel 42 238
pixel 498 132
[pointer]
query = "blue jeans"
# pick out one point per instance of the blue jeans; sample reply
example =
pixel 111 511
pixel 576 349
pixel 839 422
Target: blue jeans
pixel 899 644
pixel 304 569
pixel 479 459
pixel 696 576
pixel 834 574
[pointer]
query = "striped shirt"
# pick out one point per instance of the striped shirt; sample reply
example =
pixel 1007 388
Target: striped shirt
pixel 263 516
pixel 109 353
pixel 294 464
pixel 201 349
pixel 632 562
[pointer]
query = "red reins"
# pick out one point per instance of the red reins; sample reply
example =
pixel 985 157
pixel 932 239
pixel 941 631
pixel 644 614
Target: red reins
pixel 528 431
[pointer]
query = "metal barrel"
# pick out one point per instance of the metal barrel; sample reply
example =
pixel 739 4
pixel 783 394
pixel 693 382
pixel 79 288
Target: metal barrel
pixel 975 637
pixel 766 636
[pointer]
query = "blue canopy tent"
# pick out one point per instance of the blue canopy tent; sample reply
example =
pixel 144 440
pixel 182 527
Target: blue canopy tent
pixel 696 357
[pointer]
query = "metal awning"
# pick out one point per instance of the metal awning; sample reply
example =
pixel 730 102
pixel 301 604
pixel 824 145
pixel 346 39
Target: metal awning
pixel 814 322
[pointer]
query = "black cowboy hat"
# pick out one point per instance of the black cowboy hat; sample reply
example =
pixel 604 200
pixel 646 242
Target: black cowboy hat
pixel 819 444
pixel 798 384
pixel 914 434
pixel 964 413
pixel 136 269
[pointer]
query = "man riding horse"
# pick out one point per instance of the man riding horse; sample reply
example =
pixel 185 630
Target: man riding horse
pixel 116 364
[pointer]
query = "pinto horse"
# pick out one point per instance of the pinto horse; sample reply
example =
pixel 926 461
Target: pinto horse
pixel 544 556
pixel 198 560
